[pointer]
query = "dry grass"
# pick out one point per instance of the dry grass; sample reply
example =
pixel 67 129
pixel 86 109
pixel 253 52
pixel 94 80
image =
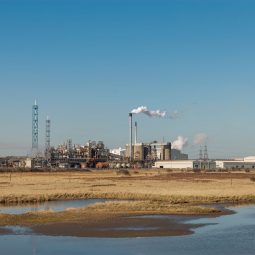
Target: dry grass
pixel 140 185
pixel 104 211
pixel 148 192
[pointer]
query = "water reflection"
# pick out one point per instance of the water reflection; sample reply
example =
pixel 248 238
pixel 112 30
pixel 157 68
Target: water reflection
pixel 232 234
pixel 56 206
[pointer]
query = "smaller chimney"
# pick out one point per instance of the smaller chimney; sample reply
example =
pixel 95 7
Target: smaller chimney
pixel 135 132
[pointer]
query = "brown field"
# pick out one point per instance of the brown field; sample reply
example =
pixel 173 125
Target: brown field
pixel 135 185
pixel 143 192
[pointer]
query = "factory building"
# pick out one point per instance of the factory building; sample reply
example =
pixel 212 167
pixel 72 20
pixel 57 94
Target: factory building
pixel 149 151
pixel 174 164
pixel 140 152
pixel 77 155
pixel 235 164
pixel 178 155
pixel 161 151
pixel 186 164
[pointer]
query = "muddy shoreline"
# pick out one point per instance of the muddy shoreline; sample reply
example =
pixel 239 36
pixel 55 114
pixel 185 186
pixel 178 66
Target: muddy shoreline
pixel 118 228
pixel 127 226
pixel 109 225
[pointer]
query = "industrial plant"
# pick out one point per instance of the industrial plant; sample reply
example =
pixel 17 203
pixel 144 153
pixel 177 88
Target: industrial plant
pixel 136 154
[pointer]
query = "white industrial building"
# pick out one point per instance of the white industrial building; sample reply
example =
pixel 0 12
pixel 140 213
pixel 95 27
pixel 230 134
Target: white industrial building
pixel 244 163
pixel 175 164
pixel 234 164
pixel 186 164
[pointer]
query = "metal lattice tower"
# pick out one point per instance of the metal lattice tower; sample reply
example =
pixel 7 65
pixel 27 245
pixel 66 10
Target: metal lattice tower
pixel 200 153
pixel 70 147
pixel 206 157
pixel 47 138
pixel 35 128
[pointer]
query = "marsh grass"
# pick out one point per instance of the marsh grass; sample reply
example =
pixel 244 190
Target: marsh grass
pixel 103 211
pixel 137 193
pixel 148 185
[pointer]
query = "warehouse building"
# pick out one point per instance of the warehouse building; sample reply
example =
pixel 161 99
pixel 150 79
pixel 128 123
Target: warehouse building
pixel 174 164
pixel 186 164
pixel 244 163
pixel 234 164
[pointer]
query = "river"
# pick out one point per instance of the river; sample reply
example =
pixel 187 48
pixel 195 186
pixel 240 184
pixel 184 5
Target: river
pixel 231 234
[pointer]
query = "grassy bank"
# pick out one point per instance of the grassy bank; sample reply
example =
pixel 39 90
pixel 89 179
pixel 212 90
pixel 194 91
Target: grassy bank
pixel 151 185
pixel 137 193
pixel 105 211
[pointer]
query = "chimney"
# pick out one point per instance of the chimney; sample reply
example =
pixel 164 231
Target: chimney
pixel 131 136
pixel 135 132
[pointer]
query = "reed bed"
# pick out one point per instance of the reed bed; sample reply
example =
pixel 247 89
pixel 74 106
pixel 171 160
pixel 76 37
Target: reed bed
pixel 139 193
pixel 150 185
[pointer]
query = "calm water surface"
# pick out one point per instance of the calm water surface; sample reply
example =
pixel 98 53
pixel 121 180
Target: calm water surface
pixel 56 206
pixel 232 234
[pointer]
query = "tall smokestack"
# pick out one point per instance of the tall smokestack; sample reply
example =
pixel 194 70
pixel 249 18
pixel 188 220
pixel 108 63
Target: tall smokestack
pixel 131 136
pixel 135 132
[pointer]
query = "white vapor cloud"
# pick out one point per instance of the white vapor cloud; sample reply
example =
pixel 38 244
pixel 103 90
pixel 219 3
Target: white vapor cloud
pixel 180 143
pixel 155 113
pixel 200 139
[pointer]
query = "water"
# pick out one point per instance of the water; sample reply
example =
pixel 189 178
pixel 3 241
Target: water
pixel 56 206
pixel 232 234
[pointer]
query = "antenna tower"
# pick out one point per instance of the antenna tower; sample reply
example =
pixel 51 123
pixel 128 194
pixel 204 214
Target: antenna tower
pixel 47 139
pixel 35 128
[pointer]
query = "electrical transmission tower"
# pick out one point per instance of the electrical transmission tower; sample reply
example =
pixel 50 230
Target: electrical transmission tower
pixel 35 128
pixel 47 139
pixel 70 147
pixel 200 153
pixel 206 157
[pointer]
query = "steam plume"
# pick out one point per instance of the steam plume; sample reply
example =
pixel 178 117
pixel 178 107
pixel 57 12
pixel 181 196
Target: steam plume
pixel 200 139
pixel 157 113
pixel 180 143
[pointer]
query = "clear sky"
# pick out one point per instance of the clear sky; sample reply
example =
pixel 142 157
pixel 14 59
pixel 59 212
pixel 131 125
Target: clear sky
pixel 88 63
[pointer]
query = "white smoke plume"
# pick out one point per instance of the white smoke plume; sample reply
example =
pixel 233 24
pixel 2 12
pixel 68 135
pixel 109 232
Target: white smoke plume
pixel 200 139
pixel 157 113
pixel 174 115
pixel 180 143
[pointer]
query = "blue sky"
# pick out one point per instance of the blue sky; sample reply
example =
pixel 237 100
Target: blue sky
pixel 88 63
